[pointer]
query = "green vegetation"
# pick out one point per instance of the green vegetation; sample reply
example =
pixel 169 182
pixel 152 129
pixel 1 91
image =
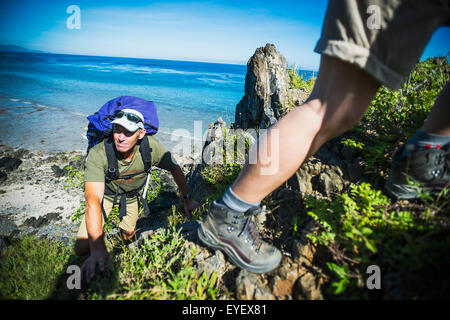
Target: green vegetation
pixel 352 143
pixel 363 227
pixel 297 81
pixel 159 268
pixel 30 267
pixel 154 186
pixel 233 152
pixel 79 212
pixel 394 115
pixel 75 177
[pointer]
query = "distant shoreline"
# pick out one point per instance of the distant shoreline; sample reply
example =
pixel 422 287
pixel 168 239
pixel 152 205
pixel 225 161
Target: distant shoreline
pixel 109 57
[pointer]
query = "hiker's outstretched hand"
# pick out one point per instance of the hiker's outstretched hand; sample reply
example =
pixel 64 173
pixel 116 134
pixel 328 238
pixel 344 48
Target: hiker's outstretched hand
pixel 100 258
pixel 189 206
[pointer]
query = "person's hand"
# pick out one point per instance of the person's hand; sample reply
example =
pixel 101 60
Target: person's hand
pixel 100 257
pixel 189 206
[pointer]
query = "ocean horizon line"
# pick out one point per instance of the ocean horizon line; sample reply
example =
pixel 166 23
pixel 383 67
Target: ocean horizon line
pixel 32 51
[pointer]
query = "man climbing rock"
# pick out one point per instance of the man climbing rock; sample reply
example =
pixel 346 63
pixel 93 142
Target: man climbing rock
pixel 116 172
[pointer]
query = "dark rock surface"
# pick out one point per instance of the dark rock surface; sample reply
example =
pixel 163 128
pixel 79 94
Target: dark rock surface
pixel 266 85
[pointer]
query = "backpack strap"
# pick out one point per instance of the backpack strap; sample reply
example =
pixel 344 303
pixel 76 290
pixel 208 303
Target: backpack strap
pixel 113 165
pixel 146 154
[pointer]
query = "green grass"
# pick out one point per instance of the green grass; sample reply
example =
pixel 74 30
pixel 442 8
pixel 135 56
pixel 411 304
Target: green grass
pixel 30 268
pixel 162 268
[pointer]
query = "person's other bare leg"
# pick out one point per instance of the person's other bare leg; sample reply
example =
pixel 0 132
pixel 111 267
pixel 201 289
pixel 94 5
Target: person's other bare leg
pixel 421 158
pixel 340 97
pixel 438 121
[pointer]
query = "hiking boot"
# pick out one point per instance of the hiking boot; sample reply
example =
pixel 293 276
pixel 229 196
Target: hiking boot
pixel 429 167
pixel 236 235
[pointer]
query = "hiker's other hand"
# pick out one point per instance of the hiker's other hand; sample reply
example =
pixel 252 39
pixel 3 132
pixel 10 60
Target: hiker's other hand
pixel 189 206
pixel 101 258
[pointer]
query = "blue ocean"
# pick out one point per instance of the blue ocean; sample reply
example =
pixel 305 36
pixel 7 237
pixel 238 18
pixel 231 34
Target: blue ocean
pixel 45 98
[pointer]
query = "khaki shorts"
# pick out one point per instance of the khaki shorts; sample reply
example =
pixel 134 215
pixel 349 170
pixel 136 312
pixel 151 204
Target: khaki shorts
pixel 384 38
pixel 128 223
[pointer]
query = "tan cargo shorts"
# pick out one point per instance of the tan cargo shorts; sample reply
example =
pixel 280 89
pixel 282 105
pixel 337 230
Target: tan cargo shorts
pixel 384 38
pixel 128 223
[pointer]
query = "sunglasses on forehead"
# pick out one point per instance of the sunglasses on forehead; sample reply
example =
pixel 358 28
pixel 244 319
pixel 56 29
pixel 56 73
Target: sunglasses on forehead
pixel 130 116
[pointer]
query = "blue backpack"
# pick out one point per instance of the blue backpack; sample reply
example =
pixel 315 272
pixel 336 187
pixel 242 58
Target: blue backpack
pixel 100 128
pixel 100 122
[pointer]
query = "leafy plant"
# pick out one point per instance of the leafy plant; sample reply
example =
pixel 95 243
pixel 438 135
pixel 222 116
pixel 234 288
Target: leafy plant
pixel 361 227
pixel 295 225
pixel 80 211
pixel 75 177
pixel 113 219
pixel 352 143
pixel 234 150
pixel 154 186
pixel 175 218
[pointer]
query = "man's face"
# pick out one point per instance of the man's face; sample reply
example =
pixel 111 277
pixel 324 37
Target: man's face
pixel 125 140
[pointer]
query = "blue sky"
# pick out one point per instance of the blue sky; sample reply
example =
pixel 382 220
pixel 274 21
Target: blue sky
pixel 212 31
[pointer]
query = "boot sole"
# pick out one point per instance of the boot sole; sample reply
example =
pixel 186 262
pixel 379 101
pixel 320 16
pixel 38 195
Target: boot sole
pixel 401 192
pixel 406 192
pixel 211 241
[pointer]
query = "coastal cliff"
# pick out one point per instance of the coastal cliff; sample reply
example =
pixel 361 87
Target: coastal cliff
pixel 268 93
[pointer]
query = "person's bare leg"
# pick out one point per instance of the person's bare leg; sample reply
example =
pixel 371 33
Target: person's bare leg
pixel 420 160
pixel 438 121
pixel 340 97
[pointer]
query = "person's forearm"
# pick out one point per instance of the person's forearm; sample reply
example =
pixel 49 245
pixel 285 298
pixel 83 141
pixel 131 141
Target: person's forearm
pixel 94 227
pixel 180 180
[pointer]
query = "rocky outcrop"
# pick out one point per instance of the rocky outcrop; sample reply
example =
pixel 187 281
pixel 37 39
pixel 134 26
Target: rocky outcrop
pixel 10 163
pixel 266 85
pixel 268 95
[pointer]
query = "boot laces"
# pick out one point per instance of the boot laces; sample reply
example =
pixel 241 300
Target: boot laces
pixel 251 231
pixel 441 164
